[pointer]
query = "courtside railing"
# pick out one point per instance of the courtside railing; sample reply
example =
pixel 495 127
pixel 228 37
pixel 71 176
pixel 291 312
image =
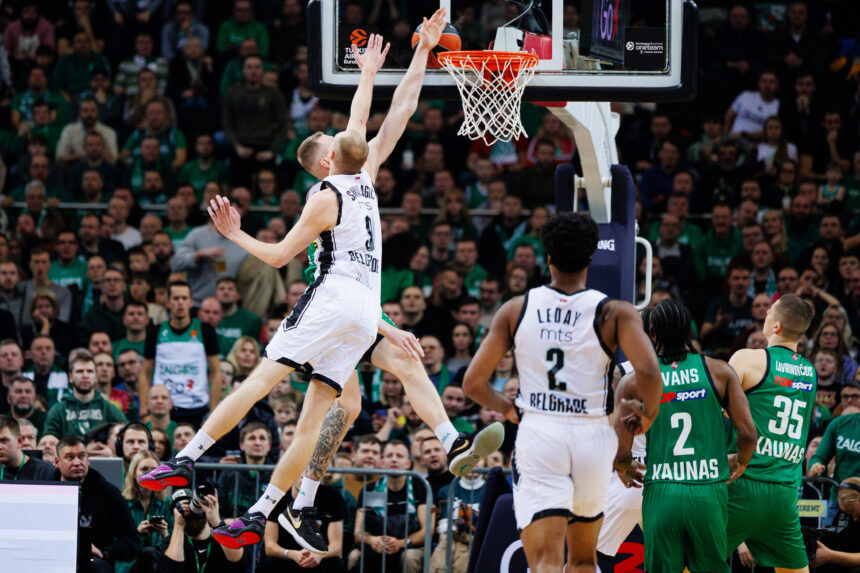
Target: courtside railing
pixel 365 474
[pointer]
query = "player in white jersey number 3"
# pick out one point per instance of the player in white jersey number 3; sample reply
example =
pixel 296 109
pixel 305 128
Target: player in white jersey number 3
pixel 564 337
pixel 325 337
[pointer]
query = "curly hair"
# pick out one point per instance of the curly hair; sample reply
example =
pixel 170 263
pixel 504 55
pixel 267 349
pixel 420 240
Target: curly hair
pixel 570 240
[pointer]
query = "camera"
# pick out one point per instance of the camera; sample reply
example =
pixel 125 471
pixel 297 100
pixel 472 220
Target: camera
pixel 156 519
pixel 204 488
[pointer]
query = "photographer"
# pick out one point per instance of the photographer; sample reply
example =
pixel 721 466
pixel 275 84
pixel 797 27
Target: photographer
pixel 191 548
pixel 839 551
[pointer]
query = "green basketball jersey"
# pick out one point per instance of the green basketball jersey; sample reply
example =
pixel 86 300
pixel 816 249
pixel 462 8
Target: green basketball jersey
pixel 686 443
pixel 782 405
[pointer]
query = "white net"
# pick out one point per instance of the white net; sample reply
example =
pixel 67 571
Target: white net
pixel 491 86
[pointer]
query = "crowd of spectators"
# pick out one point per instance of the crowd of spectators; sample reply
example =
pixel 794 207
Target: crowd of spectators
pixel 124 323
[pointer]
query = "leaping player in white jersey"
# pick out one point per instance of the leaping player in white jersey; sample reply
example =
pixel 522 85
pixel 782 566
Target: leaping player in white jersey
pixel 564 336
pixel 463 450
pixel 362 265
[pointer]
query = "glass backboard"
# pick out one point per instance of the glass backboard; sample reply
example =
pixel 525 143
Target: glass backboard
pixel 591 50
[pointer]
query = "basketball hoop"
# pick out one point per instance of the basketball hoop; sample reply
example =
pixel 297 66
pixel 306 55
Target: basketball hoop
pixel 491 86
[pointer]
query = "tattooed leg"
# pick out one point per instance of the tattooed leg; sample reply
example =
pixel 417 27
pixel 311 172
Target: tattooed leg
pixel 337 422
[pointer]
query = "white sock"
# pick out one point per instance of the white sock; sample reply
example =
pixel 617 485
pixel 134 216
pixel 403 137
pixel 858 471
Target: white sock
pixel 447 433
pixel 267 503
pixel 197 446
pixel 307 493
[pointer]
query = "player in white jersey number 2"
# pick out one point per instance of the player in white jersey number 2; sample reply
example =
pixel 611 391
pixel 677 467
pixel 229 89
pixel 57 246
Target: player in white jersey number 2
pixel 564 337
pixel 325 337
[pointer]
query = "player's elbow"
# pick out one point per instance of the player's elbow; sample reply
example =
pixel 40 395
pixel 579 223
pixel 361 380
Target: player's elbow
pixel 470 385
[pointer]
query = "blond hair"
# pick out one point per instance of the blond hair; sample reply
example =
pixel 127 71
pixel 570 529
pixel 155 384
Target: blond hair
pixel 307 149
pixel 130 487
pixel 234 351
pixel 350 151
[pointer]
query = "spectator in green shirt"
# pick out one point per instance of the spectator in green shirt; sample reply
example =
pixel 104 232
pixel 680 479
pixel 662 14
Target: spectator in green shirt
pixel 719 245
pixel 69 269
pixel 242 25
pixel 72 74
pixel 37 89
pixel 454 401
pixel 842 441
pixel 145 505
pixel 205 168
pixel 171 141
pixel 42 125
pixel 679 205
pixel 85 408
pixel 135 319
pixel 236 322
pixel 466 255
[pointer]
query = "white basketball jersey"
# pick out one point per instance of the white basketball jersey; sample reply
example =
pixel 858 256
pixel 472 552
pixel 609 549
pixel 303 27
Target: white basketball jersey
pixel 353 248
pixel 564 366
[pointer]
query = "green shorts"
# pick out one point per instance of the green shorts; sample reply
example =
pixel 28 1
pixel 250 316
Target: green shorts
pixel 685 526
pixel 764 515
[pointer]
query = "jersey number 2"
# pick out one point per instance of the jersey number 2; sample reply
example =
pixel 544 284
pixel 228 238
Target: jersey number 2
pixel 556 356
pixel 370 243
pixel 685 422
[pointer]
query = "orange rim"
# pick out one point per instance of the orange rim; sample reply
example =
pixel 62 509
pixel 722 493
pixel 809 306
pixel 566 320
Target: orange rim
pixel 493 61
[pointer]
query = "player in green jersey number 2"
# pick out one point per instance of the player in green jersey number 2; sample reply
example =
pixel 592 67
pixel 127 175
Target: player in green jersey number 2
pixel 780 385
pixel 684 506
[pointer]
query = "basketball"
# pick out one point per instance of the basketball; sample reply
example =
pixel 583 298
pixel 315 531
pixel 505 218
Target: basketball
pixel 449 42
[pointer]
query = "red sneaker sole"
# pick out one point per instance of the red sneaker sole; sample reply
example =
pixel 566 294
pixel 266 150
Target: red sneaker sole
pixel 247 538
pixel 160 484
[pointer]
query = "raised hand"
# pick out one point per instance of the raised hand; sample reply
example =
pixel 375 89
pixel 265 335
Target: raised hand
pixel 225 216
pixel 373 56
pixel 431 30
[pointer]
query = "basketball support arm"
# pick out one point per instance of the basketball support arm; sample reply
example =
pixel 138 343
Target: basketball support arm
pixel 594 126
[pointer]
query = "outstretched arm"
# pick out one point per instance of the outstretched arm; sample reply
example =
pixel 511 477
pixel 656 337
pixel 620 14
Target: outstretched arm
pixel 476 383
pixel 405 99
pixel 319 214
pixel 369 62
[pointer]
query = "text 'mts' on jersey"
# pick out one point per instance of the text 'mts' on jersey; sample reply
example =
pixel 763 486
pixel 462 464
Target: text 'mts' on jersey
pixel 564 366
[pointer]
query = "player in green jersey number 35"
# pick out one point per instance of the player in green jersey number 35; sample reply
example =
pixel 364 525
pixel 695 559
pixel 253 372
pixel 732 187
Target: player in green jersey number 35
pixel 780 385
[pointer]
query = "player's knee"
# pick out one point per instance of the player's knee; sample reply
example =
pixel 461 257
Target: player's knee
pixel 401 364
pixel 351 405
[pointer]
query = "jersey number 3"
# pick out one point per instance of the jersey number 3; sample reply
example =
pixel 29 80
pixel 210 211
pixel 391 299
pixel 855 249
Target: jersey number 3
pixel 556 357
pixel 370 243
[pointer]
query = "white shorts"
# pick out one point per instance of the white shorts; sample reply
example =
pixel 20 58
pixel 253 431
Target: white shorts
pixel 562 467
pixel 330 328
pixel 623 512
pixel 623 508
